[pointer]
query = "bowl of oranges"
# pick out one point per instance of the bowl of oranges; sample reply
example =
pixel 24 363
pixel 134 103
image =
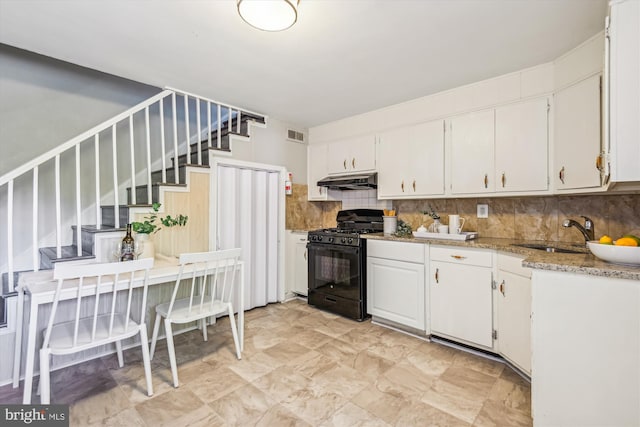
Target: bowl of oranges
pixel 624 250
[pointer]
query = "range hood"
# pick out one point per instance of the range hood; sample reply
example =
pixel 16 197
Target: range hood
pixel 350 182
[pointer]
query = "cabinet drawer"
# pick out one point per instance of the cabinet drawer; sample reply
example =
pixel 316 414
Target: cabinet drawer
pixel 461 256
pixel 401 251
pixel 513 264
pixel 299 236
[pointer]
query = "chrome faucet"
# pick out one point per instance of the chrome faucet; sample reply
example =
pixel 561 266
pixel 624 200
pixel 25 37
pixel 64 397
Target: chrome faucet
pixel 588 230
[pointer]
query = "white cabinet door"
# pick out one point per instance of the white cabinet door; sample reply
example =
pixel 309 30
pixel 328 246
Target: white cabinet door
pixel 521 147
pixel 514 319
pixel 396 291
pixel 577 135
pixel 425 157
pixel 392 157
pixel 301 274
pixel 296 263
pixel 472 159
pixel 624 90
pixel 586 348
pixel 352 155
pixel 411 161
pixel 316 170
pixel 461 295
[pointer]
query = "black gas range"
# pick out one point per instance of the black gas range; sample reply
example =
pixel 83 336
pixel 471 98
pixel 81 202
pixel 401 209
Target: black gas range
pixel 337 263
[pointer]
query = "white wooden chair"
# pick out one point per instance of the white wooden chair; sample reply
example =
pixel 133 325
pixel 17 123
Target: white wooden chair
pixel 90 283
pixel 213 297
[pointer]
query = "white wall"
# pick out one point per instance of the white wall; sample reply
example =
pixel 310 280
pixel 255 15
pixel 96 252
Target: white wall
pixel 270 146
pixel 44 102
pixel 582 61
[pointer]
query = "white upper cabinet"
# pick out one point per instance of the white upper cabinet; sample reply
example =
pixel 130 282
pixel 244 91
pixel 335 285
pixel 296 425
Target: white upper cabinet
pixel 352 155
pixel 472 144
pixel 577 135
pixel 624 90
pixel 316 170
pixel 521 147
pixel 411 161
pixel 501 150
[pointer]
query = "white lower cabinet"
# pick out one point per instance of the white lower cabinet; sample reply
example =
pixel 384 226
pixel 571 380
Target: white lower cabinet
pixel 586 350
pixel 461 306
pixel 513 312
pixel 396 282
pixel 296 272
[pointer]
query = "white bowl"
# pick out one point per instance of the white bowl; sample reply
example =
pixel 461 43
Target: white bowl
pixel 629 255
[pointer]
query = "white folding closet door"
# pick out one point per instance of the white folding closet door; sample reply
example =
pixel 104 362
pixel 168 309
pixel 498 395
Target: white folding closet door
pixel 247 217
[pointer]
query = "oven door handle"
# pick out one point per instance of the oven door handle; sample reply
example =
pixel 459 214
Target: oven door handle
pixel 334 248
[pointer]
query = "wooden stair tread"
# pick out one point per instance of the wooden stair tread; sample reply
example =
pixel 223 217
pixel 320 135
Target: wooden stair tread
pixel 158 184
pixel 103 229
pixel 68 253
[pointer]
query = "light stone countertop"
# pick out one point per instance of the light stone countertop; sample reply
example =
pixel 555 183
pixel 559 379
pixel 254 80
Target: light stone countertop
pixel 582 263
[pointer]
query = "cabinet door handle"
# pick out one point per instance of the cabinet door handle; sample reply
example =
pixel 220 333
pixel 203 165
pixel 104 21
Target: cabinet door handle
pixel 305 255
pixel 353 163
pixel 504 179
pixel 414 185
pixel 345 164
pixel 486 181
pixel 458 257
pixel 437 275
pixel 402 185
pixel 561 175
pixel 502 288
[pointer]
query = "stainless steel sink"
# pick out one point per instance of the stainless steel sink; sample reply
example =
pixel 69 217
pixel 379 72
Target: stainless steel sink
pixel 550 248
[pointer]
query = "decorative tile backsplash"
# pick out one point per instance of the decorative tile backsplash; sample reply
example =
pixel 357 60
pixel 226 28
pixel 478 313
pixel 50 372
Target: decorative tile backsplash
pixel 533 218
pixel 363 199
pixel 528 218
pixel 304 215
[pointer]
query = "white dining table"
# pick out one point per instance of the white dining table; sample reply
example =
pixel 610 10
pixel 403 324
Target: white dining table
pixel 40 287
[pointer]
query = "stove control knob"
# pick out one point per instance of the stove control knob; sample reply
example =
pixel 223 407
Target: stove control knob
pixel 330 239
pixel 350 239
pixel 319 238
pixel 344 239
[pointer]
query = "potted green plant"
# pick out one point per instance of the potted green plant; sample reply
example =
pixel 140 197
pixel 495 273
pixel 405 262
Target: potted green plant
pixel 150 225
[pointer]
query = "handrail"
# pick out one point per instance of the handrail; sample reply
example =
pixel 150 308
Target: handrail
pixel 92 137
pixel 80 138
pixel 222 104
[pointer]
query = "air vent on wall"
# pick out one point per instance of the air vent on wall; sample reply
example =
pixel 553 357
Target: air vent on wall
pixel 294 135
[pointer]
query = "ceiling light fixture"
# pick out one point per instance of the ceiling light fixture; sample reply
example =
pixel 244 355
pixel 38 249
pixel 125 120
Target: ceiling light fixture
pixel 269 15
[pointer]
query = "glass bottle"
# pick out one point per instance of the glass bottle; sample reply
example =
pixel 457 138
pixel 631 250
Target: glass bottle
pixel 433 228
pixel 127 251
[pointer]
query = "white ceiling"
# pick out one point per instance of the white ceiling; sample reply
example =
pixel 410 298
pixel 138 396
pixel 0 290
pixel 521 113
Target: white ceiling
pixel 341 58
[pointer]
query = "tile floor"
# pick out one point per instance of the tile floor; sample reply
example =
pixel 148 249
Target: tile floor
pixel 300 367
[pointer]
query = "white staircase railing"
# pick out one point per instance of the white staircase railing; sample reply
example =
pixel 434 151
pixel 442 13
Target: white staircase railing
pixel 88 171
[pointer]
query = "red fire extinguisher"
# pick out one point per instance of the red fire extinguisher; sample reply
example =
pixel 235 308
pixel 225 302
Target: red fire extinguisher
pixel 287 184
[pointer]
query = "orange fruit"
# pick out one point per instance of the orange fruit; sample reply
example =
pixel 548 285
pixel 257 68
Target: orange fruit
pixel 626 241
pixel 606 240
pixel 636 238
